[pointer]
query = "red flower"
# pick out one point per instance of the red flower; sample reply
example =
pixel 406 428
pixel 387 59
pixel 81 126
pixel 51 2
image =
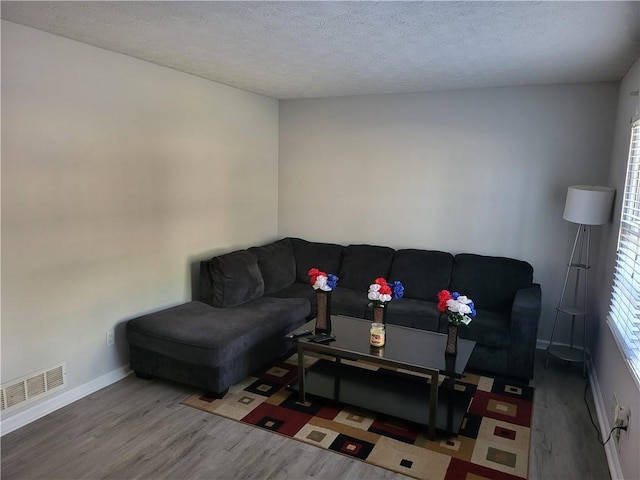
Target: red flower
pixel 443 297
pixel 314 273
pixel 385 289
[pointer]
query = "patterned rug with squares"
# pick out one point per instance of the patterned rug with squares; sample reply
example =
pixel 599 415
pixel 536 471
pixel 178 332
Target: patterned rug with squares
pixel 493 442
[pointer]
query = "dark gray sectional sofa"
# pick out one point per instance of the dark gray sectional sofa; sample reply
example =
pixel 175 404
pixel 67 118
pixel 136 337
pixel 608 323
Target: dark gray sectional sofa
pixel 248 300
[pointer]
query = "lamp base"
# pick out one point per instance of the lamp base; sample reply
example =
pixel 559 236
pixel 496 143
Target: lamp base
pixel 567 353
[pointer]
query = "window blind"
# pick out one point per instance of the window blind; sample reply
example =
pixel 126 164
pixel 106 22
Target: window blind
pixel 624 311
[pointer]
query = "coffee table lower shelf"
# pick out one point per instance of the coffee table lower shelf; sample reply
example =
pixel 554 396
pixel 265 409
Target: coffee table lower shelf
pixel 392 393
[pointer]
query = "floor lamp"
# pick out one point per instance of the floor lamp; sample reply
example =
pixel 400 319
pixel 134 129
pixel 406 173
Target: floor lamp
pixel 586 205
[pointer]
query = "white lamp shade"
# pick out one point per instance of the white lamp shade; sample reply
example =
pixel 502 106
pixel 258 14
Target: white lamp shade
pixel 589 204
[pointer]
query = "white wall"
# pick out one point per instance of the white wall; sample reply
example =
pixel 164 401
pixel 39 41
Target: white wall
pixel 117 174
pixel 609 364
pixel 483 171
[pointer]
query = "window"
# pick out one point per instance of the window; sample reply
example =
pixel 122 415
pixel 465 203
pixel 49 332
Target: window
pixel 624 312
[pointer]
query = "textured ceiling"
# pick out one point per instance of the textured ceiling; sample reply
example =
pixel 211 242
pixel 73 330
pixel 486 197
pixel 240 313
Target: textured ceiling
pixel 318 49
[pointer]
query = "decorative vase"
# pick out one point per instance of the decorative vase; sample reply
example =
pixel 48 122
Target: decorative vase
pixel 378 314
pixel 450 369
pixel 323 312
pixel 452 339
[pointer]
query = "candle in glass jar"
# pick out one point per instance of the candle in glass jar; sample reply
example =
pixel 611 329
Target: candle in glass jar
pixel 377 334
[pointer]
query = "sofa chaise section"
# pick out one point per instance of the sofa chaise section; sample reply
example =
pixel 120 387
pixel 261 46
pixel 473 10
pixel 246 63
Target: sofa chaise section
pixel 216 344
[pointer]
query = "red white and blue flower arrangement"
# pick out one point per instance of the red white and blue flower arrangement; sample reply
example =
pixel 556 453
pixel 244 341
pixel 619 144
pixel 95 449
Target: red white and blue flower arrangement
pixel 381 292
pixel 322 281
pixel 459 308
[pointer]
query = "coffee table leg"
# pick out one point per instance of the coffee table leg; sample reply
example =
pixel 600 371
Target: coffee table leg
pixel 451 387
pixel 336 380
pixel 301 374
pixel 433 407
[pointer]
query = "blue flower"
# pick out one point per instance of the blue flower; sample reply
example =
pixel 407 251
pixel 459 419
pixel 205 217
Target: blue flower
pixel 455 295
pixel 332 281
pixel 398 289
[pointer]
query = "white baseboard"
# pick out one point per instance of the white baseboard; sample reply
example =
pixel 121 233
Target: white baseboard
pixel 47 406
pixel 601 411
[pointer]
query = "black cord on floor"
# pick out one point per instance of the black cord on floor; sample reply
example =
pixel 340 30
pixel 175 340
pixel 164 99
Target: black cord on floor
pixel 586 387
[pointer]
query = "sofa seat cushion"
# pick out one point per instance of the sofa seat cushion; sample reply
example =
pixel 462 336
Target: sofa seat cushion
pixel 296 290
pixel 362 264
pixel 277 265
pixel 423 273
pixel 409 312
pixel 199 334
pixel 326 257
pixel 299 290
pixel 491 329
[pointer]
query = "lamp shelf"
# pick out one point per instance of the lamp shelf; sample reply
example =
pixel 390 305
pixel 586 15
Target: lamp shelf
pixel 567 353
pixel 574 310
pixel 580 266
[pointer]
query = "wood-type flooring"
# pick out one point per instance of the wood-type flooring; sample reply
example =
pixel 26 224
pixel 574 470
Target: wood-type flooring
pixel 138 429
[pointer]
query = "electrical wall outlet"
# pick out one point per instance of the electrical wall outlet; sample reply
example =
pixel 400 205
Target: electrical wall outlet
pixel 627 422
pixel 621 418
pixel 110 338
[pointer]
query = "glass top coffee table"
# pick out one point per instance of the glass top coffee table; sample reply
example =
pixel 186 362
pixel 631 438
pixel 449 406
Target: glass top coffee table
pixel 416 398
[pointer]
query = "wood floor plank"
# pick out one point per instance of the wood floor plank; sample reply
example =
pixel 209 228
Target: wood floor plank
pixel 137 429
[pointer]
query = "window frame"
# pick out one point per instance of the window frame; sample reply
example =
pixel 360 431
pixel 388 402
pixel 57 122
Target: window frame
pixel 623 315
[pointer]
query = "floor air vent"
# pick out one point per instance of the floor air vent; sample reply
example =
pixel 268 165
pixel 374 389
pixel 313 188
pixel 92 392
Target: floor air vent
pixel 32 386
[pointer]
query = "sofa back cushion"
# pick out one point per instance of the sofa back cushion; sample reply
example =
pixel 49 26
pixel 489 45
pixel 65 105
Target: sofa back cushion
pixel 231 279
pixel 277 265
pixel 362 264
pixel 491 282
pixel 423 273
pixel 326 257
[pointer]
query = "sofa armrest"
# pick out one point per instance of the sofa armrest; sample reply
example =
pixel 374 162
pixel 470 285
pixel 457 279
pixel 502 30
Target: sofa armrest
pixel 525 316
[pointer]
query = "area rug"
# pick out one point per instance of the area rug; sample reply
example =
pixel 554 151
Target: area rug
pixel 493 442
